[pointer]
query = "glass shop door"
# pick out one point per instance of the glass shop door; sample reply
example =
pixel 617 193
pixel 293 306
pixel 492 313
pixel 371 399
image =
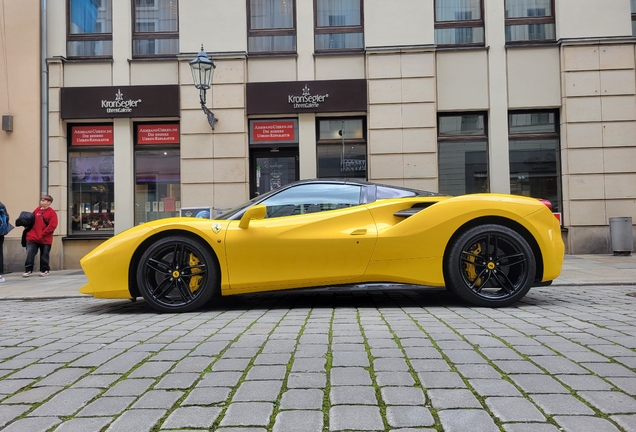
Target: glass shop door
pixel 272 168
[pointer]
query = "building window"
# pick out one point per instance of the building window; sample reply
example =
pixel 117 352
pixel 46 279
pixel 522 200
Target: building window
pixel 91 182
pixel 271 26
pixel 633 6
pixel 338 25
pixel 462 153
pixel 155 28
pixel 459 22
pixel 535 168
pixel 342 148
pixel 157 171
pixel 530 21
pixel 90 30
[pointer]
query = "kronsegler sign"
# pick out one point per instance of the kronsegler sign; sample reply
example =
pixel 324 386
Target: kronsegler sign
pixel 119 101
pixel 307 96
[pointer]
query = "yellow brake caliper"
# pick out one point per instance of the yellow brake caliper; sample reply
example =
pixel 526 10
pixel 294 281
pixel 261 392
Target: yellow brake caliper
pixel 471 272
pixel 195 281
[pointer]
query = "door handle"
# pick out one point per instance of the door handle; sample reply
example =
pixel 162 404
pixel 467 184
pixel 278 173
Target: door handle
pixel 359 231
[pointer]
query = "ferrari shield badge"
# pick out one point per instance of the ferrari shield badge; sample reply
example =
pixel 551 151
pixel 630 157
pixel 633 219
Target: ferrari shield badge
pixel 216 228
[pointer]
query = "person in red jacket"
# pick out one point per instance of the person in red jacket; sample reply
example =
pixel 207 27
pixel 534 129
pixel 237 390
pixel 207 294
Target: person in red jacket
pixel 40 237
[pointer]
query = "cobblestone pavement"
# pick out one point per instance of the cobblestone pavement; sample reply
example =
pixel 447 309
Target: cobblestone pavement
pixel 374 360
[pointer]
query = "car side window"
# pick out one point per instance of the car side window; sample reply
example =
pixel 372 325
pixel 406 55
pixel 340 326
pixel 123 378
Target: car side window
pixel 312 198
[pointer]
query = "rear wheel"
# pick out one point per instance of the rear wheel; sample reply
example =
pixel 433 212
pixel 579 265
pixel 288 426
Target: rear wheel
pixel 177 274
pixel 490 265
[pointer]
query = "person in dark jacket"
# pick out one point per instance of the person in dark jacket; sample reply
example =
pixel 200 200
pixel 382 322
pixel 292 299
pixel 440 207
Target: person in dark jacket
pixel 40 237
pixel 3 209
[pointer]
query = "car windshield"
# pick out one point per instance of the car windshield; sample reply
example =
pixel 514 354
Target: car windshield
pixel 239 209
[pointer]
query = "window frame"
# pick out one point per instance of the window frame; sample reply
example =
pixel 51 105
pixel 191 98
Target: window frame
pixel 164 35
pixel 270 32
pixel 633 11
pixel 86 37
pixel 529 21
pixel 88 150
pixel 338 30
pixel 141 148
pixel 330 142
pixel 556 135
pixel 462 139
pixel 460 24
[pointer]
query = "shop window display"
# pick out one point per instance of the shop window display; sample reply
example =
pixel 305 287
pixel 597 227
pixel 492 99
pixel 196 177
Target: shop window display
pixel 463 153
pixel 535 166
pixel 342 148
pixel 92 193
pixel 157 171
pixel 158 187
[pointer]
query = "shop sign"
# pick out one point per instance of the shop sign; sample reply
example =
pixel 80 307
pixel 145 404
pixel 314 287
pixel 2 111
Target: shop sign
pixel 307 100
pixel 92 135
pixel 120 105
pixel 283 131
pixel 158 134
pixel 119 101
pixel 307 96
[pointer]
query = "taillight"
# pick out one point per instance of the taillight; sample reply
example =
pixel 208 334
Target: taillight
pixel 547 203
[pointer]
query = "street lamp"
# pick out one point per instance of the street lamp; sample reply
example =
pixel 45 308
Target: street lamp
pixel 202 71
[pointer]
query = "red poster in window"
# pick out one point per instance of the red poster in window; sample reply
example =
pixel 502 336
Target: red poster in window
pixel 92 135
pixel 273 131
pixel 169 204
pixel 158 134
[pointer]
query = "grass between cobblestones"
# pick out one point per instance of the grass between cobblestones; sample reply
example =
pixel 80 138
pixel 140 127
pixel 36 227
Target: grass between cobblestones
pixel 268 319
pixel 326 402
pixel 371 370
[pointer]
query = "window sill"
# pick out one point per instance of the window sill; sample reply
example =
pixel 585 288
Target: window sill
pixel 339 53
pixel 462 48
pixel 74 237
pixel 532 44
pixel 271 55
pixel 172 57
pixel 88 60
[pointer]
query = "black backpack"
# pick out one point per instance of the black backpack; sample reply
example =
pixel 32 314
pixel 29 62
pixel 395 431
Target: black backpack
pixel 5 225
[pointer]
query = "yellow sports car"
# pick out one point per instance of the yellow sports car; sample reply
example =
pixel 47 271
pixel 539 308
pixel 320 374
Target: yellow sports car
pixel 488 249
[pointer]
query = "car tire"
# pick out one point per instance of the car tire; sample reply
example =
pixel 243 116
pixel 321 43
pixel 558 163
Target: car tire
pixel 490 265
pixel 177 274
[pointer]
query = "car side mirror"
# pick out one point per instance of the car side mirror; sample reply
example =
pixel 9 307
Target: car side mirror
pixel 257 212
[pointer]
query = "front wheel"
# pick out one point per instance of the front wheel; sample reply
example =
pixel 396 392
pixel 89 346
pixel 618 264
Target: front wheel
pixel 490 265
pixel 177 274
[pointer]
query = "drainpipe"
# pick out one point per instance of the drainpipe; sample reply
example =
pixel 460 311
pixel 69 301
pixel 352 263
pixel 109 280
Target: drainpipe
pixel 44 97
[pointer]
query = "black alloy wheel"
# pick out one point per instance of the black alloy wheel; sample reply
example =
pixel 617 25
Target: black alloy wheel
pixel 490 265
pixel 177 274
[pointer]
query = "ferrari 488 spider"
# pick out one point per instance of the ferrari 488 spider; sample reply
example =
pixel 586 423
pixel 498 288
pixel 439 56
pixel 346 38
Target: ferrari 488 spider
pixel 488 249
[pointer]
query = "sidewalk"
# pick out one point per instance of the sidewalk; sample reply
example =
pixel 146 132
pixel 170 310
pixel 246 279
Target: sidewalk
pixel 59 284
pixel 577 270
